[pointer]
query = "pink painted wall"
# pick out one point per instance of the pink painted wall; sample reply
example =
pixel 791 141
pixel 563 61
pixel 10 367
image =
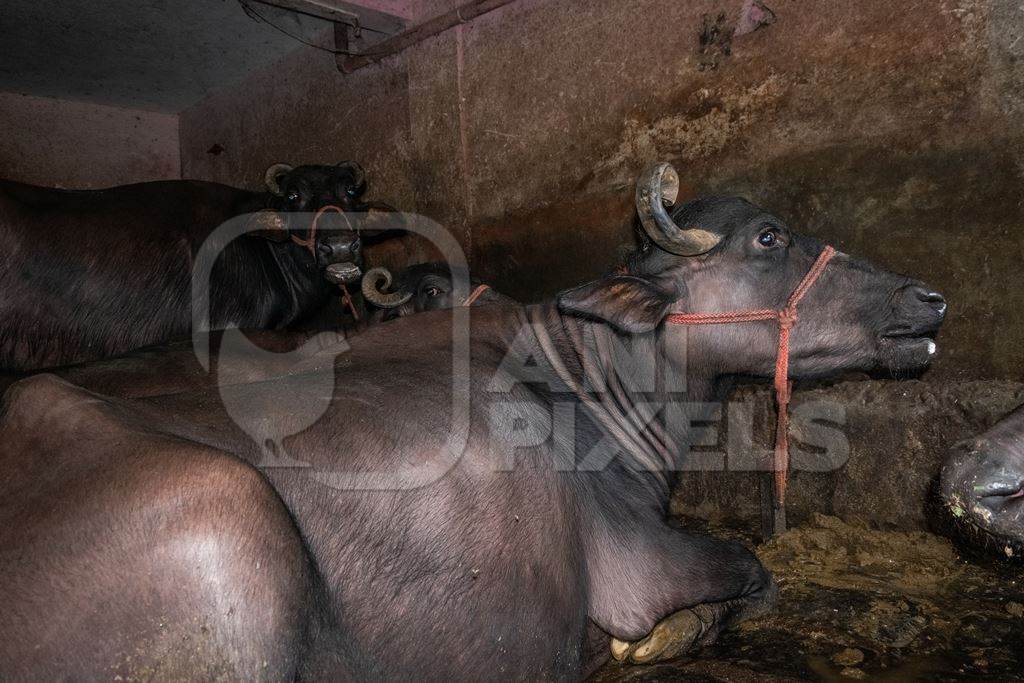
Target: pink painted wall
pixel 78 145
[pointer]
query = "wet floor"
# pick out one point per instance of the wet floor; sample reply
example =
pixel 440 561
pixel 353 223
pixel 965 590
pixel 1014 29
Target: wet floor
pixel 860 604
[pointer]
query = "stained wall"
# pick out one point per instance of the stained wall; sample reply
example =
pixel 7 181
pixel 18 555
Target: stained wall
pixel 891 129
pixel 79 145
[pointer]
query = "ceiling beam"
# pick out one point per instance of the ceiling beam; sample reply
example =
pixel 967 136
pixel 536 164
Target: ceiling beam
pixel 344 12
pixel 414 34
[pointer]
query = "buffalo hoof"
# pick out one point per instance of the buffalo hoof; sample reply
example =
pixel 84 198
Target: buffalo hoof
pixel 674 636
pixel 691 629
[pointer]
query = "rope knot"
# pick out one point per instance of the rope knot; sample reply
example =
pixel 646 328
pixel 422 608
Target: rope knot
pixel 788 317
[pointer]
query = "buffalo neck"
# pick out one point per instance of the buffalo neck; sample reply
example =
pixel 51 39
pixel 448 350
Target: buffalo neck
pixel 625 384
pixel 305 281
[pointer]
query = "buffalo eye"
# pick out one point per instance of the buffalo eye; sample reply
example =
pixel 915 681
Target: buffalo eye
pixel 293 196
pixel 768 238
pixel 432 291
pixel 352 191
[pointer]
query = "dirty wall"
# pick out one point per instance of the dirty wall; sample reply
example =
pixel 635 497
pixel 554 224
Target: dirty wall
pixel 84 146
pixel 890 129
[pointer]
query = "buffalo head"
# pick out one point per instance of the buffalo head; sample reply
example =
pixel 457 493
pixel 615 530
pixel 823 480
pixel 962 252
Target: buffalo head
pixel 420 288
pixel 982 485
pixel 725 254
pixel 297 195
pixel 312 187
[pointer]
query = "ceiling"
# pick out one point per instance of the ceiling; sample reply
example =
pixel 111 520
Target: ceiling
pixel 158 55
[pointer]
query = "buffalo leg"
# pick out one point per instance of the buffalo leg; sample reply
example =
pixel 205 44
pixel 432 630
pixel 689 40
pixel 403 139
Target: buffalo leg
pixel 690 629
pixel 676 593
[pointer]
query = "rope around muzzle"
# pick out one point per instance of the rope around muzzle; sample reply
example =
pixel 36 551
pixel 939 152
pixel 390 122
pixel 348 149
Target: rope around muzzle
pixel 310 245
pixel 787 319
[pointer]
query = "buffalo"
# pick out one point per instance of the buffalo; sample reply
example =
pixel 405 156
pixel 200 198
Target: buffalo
pixel 173 368
pixel 423 287
pixel 982 485
pixel 457 513
pixel 92 274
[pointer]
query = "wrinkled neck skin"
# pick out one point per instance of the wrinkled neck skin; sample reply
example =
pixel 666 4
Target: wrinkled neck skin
pixel 627 386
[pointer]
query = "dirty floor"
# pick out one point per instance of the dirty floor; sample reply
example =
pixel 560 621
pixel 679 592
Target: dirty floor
pixel 861 604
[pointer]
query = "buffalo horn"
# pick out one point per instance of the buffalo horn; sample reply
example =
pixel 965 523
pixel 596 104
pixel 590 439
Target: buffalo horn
pixel 358 175
pixel 659 184
pixel 272 174
pixel 376 296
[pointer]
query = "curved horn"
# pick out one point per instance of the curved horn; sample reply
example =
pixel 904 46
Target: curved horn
pixel 358 177
pixel 376 296
pixel 270 177
pixel 660 183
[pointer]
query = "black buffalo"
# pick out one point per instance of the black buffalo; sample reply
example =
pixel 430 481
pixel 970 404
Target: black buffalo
pixel 173 368
pixel 423 287
pixel 91 274
pixel 405 542
pixel 982 485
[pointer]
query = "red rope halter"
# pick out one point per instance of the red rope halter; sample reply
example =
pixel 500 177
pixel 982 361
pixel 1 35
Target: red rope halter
pixel 310 244
pixel 471 299
pixel 787 318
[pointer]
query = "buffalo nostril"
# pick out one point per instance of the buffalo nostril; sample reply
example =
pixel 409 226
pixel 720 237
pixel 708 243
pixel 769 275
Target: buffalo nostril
pixel 927 296
pixel 937 302
pixel 932 298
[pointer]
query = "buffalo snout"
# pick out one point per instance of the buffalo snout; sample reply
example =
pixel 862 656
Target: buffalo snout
pixel 984 485
pixel 906 336
pixel 918 311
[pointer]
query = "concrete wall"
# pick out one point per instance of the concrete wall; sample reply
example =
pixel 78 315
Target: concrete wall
pixel 891 129
pixel 885 444
pixel 84 146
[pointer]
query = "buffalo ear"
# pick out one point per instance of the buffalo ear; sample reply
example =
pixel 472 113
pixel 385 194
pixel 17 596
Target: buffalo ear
pixel 628 303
